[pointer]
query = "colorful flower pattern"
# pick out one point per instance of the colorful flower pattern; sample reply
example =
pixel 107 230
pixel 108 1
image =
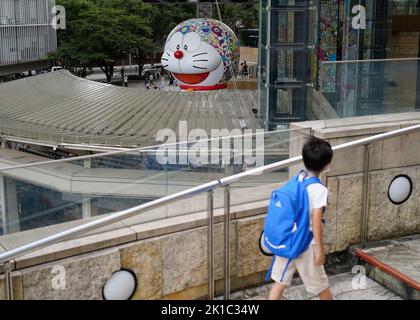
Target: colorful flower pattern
pixel 219 35
pixel 328 27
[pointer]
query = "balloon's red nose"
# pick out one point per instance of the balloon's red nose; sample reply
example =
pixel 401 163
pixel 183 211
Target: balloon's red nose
pixel 178 54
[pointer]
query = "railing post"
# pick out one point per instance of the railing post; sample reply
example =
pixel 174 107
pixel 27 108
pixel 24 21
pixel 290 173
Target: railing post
pixel 210 243
pixel 8 282
pixel 227 240
pixel 365 198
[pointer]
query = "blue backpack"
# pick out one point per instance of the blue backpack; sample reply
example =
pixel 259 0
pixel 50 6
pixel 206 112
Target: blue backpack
pixel 286 226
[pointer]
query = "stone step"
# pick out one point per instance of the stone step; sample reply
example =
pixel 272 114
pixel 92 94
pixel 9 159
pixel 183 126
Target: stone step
pixel 395 264
pixel 341 288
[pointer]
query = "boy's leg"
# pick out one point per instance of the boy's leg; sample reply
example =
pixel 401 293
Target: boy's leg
pixel 282 274
pixel 325 295
pixel 314 277
pixel 276 292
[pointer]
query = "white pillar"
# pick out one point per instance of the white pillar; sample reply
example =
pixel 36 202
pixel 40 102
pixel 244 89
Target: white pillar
pixel 10 205
pixel 2 206
pixel 86 207
pixel 87 163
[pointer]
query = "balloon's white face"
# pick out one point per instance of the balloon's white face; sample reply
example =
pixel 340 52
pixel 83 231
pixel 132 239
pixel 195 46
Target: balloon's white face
pixel 192 61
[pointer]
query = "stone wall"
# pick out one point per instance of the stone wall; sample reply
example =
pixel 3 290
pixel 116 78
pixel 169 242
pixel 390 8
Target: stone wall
pixel 171 266
pixel 386 220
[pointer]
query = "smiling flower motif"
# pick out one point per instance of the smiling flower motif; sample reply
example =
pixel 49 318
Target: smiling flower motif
pixel 185 29
pixel 205 29
pixel 216 30
pixel 200 53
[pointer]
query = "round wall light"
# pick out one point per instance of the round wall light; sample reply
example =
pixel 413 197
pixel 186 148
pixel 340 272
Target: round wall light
pixel 264 250
pixel 121 285
pixel 400 189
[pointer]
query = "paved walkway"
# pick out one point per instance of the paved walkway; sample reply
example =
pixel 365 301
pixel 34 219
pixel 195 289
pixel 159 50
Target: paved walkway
pixel 341 287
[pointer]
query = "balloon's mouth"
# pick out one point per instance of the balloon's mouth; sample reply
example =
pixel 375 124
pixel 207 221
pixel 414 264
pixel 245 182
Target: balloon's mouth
pixel 191 78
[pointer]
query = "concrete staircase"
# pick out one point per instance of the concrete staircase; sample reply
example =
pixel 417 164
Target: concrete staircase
pixel 395 264
pixel 385 270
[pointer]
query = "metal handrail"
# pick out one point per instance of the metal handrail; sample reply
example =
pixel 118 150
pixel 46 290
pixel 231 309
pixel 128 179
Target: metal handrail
pixel 109 151
pixel 369 60
pixel 113 217
pixel 207 187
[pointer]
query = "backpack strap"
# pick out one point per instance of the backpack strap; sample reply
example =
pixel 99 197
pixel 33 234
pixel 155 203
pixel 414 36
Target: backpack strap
pixel 297 175
pixel 285 268
pixel 307 181
pixel 311 180
pixel 270 269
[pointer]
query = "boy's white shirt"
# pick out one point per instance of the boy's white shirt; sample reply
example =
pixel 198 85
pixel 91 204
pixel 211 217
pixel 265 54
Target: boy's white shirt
pixel 317 196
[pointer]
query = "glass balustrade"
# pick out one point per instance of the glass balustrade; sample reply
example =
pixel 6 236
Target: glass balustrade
pixel 370 87
pixel 42 199
pixel 405 7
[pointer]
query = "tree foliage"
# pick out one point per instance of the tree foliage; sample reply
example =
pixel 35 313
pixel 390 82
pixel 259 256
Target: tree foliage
pixel 240 16
pixel 100 32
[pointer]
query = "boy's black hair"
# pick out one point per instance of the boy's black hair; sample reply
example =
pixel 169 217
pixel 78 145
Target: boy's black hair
pixel 317 154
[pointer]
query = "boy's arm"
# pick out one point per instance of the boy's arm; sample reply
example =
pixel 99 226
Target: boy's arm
pixel 317 232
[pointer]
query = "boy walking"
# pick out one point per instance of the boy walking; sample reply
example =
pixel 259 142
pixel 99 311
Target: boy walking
pixel 317 155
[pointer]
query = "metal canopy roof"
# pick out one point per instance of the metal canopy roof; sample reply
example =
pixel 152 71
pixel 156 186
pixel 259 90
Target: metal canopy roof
pixel 59 107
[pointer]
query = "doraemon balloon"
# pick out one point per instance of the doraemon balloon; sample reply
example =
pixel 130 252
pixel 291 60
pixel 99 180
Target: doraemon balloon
pixel 200 54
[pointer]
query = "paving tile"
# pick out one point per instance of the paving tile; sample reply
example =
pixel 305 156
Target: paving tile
pixel 341 287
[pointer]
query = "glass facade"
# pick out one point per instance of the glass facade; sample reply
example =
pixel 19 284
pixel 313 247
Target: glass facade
pixel 303 47
pixel 287 44
pixel 25 31
pixel 31 206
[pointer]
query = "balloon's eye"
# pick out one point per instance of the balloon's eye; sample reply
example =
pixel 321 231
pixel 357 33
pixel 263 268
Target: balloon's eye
pixel 175 42
pixel 191 42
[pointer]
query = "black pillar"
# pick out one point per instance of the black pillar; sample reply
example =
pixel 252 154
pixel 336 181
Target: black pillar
pixel 418 81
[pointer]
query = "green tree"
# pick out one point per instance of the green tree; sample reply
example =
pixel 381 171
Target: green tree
pixel 99 33
pixel 141 45
pixel 69 52
pixel 166 17
pixel 240 16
